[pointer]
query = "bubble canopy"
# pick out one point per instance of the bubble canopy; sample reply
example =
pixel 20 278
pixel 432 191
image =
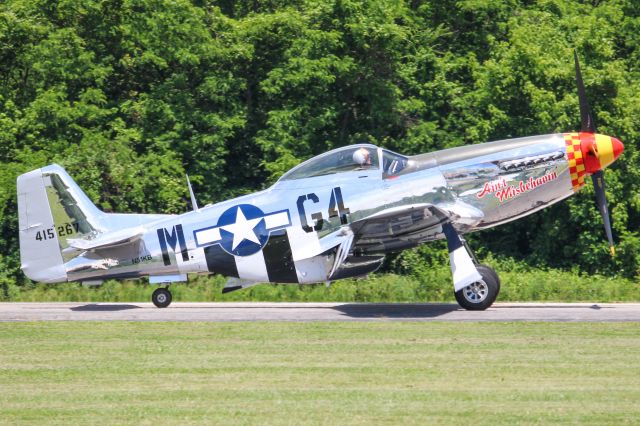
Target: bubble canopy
pixel 341 160
pixel 347 159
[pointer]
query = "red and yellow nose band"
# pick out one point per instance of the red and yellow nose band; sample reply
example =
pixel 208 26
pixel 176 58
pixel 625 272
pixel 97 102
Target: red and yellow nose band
pixel 576 161
pixel 589 152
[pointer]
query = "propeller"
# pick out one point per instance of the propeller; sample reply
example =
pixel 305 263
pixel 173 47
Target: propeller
pixel 589 126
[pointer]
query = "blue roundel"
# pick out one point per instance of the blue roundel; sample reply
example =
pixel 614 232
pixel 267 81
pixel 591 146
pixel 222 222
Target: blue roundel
pixel 242 230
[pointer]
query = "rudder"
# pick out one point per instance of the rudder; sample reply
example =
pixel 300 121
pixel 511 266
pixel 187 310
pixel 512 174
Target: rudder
pixel 51 209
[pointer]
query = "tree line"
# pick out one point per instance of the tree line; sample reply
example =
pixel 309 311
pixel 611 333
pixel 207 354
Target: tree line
pixel 129 95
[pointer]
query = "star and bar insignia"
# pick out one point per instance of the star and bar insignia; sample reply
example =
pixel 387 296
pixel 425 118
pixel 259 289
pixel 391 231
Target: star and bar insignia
pixel 243 230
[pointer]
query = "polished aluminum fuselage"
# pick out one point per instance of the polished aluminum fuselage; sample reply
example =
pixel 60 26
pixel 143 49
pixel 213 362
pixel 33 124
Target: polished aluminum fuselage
pixel 477 186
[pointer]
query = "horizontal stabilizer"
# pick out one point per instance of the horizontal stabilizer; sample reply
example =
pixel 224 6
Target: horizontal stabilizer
pixel 108 239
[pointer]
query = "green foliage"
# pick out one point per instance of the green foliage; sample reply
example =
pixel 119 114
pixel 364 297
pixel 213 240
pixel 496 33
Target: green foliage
pixel 421 284
pixel 131 94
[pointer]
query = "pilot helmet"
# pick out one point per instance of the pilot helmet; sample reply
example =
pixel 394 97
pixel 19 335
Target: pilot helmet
pixel 362 157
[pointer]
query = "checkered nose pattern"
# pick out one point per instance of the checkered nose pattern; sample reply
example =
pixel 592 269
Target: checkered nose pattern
pixel 589 152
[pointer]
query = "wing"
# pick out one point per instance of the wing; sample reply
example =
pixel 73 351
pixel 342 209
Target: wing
pixel 392 229
pixel 406 226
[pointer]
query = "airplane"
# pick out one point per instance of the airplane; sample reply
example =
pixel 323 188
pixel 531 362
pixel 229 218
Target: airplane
pixel 333 216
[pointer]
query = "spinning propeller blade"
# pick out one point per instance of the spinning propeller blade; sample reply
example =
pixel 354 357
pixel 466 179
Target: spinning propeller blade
pixel 589 126
pixel 587 123
pixel 601 200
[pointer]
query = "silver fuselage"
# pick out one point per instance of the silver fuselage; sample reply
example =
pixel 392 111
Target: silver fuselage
pixel 480 186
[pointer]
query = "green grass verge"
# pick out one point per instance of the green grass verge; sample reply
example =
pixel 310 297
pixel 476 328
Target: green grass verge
pixel 319 373
pixel 430 285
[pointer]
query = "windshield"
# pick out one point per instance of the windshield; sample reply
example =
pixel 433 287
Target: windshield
pixel 392 163
pixel 351 158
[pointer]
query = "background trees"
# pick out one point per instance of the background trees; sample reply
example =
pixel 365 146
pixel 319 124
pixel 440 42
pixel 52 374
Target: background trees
pixel 129 95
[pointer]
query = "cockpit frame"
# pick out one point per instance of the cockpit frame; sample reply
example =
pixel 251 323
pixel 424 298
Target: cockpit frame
pixel 387 163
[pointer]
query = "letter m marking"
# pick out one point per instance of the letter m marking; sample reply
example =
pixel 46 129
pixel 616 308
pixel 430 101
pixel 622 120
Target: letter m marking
pixel 172 239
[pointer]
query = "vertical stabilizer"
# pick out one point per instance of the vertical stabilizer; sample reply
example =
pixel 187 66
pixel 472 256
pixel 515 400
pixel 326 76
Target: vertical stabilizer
pixel 51 209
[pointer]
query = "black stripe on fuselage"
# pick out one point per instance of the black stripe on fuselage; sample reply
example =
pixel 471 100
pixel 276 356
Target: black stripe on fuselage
pixel 279 259
pixel 220 262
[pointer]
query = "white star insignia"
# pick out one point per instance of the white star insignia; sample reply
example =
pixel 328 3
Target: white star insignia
pixel 242 229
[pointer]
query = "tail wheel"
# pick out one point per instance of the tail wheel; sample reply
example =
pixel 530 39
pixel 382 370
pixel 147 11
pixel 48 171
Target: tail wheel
pixel 479 295
pixel 161 297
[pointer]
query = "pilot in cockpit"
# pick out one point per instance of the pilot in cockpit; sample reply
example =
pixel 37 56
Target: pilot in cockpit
pixel 362 157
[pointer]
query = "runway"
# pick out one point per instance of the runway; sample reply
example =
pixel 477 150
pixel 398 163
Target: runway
pixel 255 311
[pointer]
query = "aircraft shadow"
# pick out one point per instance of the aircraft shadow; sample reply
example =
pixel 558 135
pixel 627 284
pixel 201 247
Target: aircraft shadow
pixel 396 310
pixel 594 307
pixel 94 307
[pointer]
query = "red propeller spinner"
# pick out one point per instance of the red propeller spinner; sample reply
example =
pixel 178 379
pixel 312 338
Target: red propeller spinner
pixel 599 151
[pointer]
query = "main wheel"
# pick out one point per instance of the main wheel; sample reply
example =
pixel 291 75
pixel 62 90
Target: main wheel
pixel 161 297
pixel 480 295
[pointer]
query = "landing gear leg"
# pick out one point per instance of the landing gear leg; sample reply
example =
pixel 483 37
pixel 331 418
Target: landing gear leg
pixel 468 249
pixel 475 286
pixel 477 263
pixel 161 297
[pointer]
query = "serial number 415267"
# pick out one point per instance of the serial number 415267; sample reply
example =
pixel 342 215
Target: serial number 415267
pixel 62 231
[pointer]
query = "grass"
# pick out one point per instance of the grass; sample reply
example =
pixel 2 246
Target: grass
pixel 319 373
pixel 432 285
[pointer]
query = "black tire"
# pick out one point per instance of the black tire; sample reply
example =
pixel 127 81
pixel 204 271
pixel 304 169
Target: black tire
pixel 480 295
pixel 495 276
pixel 161 297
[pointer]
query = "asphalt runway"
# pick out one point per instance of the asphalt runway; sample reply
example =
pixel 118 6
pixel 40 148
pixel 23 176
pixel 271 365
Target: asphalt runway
pixel 221 312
